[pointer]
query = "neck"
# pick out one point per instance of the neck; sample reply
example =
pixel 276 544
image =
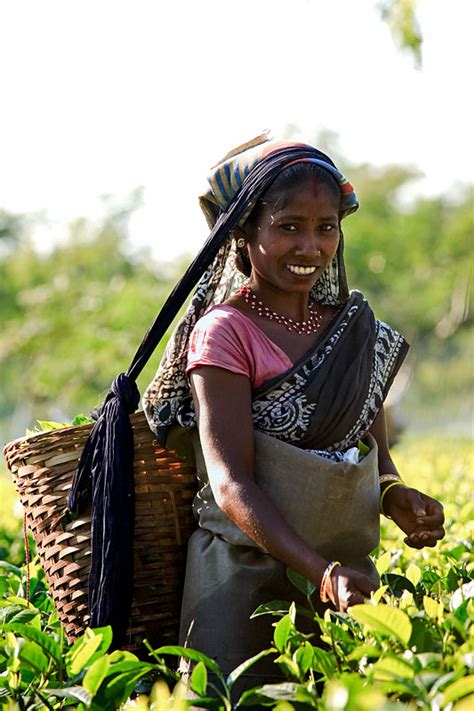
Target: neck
pixel 288 304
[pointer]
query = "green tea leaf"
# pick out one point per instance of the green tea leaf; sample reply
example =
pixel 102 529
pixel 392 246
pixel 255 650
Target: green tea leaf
pixel 195 656
pixel 76 693
pixel 82 420
pixel 433 608
pixel 384 619
pixel 34 635
pixel 4 565
pixel 390 667
pixel 279 608
pixel 383 563
pixel 421 638
pixel 364 650
pixel 288 692
pixel 459 688
pixel 119 688
pixel 79 658
pixel 300 582
pixel 282 632
pixel 378 594
pixel 242 668
pixel 398 583
pixel 363 449
pixel 47 425
pixel 289 667
pixel 29 653
pixel 96 674
pixel 413 574
pixel 324 662
pixel 199 679
pixel 303 657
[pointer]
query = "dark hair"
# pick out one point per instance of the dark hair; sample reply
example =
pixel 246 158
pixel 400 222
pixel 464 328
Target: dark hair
pixel 285 181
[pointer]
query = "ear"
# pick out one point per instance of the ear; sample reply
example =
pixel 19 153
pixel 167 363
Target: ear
pixel 240 233
pixel 241 238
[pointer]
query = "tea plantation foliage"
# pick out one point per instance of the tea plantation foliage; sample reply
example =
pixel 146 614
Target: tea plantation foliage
pixel 411 647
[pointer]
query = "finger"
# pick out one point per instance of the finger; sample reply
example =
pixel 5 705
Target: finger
pixel 413 542
pixel 424 538
pixel 433 517
pixel 430 538
pixel 427 533
pixel 364 586
pixel 356 599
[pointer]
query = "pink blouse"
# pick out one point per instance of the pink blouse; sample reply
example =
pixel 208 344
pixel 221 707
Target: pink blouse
pixel 226 338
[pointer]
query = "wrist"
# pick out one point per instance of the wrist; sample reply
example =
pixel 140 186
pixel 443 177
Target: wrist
pixel 387 495
pixel 386 479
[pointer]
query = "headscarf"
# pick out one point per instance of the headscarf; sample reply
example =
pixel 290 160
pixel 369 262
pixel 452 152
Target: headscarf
pixel 168 400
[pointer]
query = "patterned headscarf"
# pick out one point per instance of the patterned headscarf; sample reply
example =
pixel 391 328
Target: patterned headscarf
pixel 228 174
pixel 168 399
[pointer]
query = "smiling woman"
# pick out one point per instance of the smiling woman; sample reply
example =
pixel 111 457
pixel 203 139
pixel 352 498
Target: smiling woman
pixel 277 380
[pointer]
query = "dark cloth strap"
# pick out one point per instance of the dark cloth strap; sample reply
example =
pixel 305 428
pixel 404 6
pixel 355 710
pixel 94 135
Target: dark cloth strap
pixel 104 477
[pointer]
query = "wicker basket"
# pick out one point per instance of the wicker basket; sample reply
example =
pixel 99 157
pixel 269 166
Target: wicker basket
pixel 43 467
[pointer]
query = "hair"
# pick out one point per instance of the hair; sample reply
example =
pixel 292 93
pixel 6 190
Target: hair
pixel 285 181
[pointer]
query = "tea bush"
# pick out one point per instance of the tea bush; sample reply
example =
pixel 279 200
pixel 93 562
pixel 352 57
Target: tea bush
pixel 411 647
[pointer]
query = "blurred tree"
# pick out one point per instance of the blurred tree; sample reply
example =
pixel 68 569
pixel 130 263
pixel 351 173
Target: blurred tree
pixel 412 263
pixel 72 320
pixel 400 16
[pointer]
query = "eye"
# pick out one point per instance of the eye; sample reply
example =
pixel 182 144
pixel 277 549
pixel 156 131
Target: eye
pixel 327 227
pixel 288 227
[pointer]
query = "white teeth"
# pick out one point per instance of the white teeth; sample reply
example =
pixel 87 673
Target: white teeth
pixel 300 270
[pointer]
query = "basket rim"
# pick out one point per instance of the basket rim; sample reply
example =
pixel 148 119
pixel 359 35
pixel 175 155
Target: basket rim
pixel 57 432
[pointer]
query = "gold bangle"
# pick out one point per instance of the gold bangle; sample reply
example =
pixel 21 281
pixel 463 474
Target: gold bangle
pixel 389 477
pixel 325 579
pixel 394 483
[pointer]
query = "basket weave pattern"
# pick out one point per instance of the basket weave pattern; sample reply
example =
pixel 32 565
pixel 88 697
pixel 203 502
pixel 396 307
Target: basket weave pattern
pixel 43 468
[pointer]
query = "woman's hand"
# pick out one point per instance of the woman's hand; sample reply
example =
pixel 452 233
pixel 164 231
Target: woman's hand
pixel 418 515
pixel 348 587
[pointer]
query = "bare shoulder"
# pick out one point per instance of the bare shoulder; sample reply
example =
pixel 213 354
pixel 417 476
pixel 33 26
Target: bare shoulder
pixel 237 303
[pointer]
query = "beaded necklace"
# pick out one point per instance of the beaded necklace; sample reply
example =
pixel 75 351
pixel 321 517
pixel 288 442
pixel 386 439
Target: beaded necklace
pixel 311 325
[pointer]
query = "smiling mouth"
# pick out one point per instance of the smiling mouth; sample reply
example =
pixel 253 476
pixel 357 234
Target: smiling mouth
pixel 302 271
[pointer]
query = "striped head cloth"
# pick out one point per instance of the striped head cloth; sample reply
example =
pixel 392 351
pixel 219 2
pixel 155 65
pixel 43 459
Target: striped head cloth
pixel 228 175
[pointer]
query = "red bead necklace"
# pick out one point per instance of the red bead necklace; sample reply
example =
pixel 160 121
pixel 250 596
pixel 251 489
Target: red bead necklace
pixel 311 325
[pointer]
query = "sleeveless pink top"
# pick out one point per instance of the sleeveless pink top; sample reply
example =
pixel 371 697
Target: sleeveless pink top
pixel 226 338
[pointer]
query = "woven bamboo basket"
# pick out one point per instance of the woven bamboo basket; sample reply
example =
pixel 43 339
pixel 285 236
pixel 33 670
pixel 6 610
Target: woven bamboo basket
pixel 43 468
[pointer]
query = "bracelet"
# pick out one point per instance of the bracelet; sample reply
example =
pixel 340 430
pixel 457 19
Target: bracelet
pixel 394 483
pixel 323 590
pixel 389 477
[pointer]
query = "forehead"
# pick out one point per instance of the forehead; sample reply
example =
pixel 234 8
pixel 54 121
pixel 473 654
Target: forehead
pixel 307 195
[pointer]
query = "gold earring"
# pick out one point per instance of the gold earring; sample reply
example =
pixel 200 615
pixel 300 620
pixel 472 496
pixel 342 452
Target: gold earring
pixel 240 243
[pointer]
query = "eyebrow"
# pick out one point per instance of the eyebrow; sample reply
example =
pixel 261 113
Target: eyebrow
pixel 333 216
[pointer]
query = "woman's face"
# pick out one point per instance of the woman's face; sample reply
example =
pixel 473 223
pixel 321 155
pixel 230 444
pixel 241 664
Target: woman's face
pixel 293 242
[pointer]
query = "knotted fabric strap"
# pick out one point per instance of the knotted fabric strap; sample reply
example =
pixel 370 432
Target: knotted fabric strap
pixel 104 477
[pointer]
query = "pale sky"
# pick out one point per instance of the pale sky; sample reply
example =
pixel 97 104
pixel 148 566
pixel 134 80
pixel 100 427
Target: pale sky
pixel 99 97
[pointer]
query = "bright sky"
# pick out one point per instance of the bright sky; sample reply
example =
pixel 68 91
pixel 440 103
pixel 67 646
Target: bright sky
pixel 101 96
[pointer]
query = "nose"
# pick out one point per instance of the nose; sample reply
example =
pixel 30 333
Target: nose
pixel 308 245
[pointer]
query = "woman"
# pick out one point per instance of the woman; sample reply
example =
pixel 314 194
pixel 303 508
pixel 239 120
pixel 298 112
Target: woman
pixel 288 373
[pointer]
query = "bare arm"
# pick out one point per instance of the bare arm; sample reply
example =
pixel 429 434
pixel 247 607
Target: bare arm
pixel 223 408
pixel 379 433
pixel 418 515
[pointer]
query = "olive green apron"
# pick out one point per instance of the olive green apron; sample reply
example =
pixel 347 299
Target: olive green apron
pixel 333 506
